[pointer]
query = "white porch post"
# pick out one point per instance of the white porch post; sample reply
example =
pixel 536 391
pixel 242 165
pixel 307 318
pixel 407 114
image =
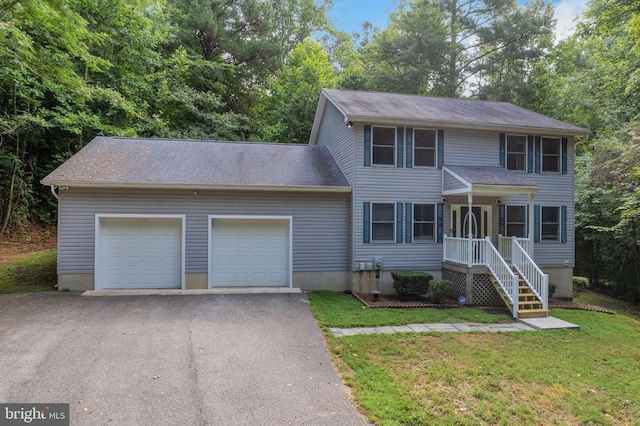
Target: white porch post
pixel 531 224
pixel 470 230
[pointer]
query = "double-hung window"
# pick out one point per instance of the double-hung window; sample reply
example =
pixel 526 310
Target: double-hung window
pixel 384 145
pixel 424 147
pixel 424 222
pixel 383 220
pixel 516 221
pixel 516 152
pixel 551 154
pixel 550 223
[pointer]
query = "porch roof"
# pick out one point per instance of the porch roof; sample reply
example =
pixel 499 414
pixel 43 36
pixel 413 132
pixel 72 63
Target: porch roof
pixel 484 180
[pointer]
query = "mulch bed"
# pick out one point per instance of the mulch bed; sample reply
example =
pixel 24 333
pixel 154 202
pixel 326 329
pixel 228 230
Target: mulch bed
pixel 392 301
pixel 565 304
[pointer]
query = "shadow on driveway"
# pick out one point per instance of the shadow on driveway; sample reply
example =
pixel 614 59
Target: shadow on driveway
pixel 171 360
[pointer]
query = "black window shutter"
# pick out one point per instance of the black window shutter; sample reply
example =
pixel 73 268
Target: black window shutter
pixel 538 155
pixel 530 162
pixel 563 224
pixel 399 222
pixel 440 148
pixel 409 145
pixel 408 210
pixel 564 156
pixel 503 149
pixel 439 222
pixel 537 213
pixel 400 147
pixel 367 145
pixel 502 229
pixel 367 222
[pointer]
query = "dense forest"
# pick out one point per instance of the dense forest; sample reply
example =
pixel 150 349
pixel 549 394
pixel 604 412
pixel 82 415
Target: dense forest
pixel 253 69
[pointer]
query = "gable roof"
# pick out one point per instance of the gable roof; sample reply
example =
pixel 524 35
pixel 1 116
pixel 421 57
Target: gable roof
pixel 486 179
pixel 174 163
pixel 405 109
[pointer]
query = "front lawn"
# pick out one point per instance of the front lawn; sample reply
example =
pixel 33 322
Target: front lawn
pixel 339 310
pixel 32 272
pixel 551 377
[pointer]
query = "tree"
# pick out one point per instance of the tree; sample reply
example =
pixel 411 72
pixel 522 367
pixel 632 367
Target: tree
pixel 452 47
pixel 287 107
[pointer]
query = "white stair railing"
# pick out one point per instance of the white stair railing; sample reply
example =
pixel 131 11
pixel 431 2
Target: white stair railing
pixel 504 246
pixel 529 271
pixel 507 280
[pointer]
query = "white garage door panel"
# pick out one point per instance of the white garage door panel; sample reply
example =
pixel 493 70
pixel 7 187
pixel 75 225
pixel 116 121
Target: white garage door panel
pixel 141 253
pixel 249 252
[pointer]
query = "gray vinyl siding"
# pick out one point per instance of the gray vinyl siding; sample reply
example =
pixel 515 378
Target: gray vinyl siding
pixel 320 222
pixel 464 147
pixel 335 134
pixel 451 183
pixel 556 189
pixel 392 184
pixel 424 185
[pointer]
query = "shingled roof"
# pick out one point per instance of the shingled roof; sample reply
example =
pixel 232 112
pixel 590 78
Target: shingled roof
pixel 442 112
pixel 123 162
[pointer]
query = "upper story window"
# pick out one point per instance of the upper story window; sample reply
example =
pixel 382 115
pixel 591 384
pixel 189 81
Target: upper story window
pixel 516 221
pixel 551 154
pixel 384 145
pixel 516 152
pixel 550 223
pixel 424 222
pixel 383 220
pixel 424 146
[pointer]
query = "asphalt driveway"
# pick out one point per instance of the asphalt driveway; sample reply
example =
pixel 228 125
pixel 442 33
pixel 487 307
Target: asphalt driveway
pixel 171 360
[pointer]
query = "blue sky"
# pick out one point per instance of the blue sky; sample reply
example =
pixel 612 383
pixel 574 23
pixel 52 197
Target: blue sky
pixel 348 15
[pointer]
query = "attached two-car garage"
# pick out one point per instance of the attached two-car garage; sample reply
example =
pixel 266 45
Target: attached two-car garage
pixel 148 252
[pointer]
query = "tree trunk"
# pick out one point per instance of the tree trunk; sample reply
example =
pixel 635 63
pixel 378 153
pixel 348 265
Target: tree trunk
pixel 7 215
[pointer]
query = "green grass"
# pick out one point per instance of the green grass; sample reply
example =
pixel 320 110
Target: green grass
pixel 339 310
pixel 33 272
pixel 527 378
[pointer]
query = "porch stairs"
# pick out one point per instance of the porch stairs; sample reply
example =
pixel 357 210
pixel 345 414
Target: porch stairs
pixel 528 304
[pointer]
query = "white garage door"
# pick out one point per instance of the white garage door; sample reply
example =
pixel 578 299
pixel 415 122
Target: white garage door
pixel 139 253
pixel 250 252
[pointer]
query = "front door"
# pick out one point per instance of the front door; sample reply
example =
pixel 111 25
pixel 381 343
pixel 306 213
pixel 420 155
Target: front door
pixel 480 219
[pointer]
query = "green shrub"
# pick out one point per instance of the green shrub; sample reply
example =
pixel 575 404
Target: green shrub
pixel 439 289
pixel 552 289
pixel 410 284
pixel 579 284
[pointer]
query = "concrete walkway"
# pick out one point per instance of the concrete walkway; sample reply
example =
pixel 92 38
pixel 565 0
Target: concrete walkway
pixel 548 323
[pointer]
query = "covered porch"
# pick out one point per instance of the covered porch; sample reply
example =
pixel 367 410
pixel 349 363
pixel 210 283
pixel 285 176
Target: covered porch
pixel 488 260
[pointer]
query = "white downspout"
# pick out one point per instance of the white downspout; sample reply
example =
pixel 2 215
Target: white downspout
pixel 53 191
pixel 470 230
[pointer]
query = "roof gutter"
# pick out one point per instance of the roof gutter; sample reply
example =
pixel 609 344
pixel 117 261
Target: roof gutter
pixel 112 185
pixel 473 126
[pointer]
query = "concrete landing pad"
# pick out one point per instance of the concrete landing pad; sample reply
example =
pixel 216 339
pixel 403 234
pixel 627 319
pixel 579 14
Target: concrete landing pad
pixel 548 323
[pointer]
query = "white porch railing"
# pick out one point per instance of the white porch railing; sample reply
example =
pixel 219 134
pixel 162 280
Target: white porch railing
pixel 483 252
pixel 504 246
pixel 529 271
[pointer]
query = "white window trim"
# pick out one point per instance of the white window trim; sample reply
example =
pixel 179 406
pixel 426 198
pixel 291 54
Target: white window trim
pixel 395 223
pixel 559 138
pixel 526 151
pixel 559 234
pixel 506 218
pixel 97 259
pixel 395 145
pixel 435 151
pixel 435 224
pixel 210 219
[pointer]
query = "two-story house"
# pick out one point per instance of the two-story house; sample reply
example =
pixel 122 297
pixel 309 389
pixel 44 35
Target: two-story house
pixel 477 192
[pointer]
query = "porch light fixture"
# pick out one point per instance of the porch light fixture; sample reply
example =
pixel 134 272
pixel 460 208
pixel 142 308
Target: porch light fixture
pixel 499 202
pixel 444 201
pixel 349 124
